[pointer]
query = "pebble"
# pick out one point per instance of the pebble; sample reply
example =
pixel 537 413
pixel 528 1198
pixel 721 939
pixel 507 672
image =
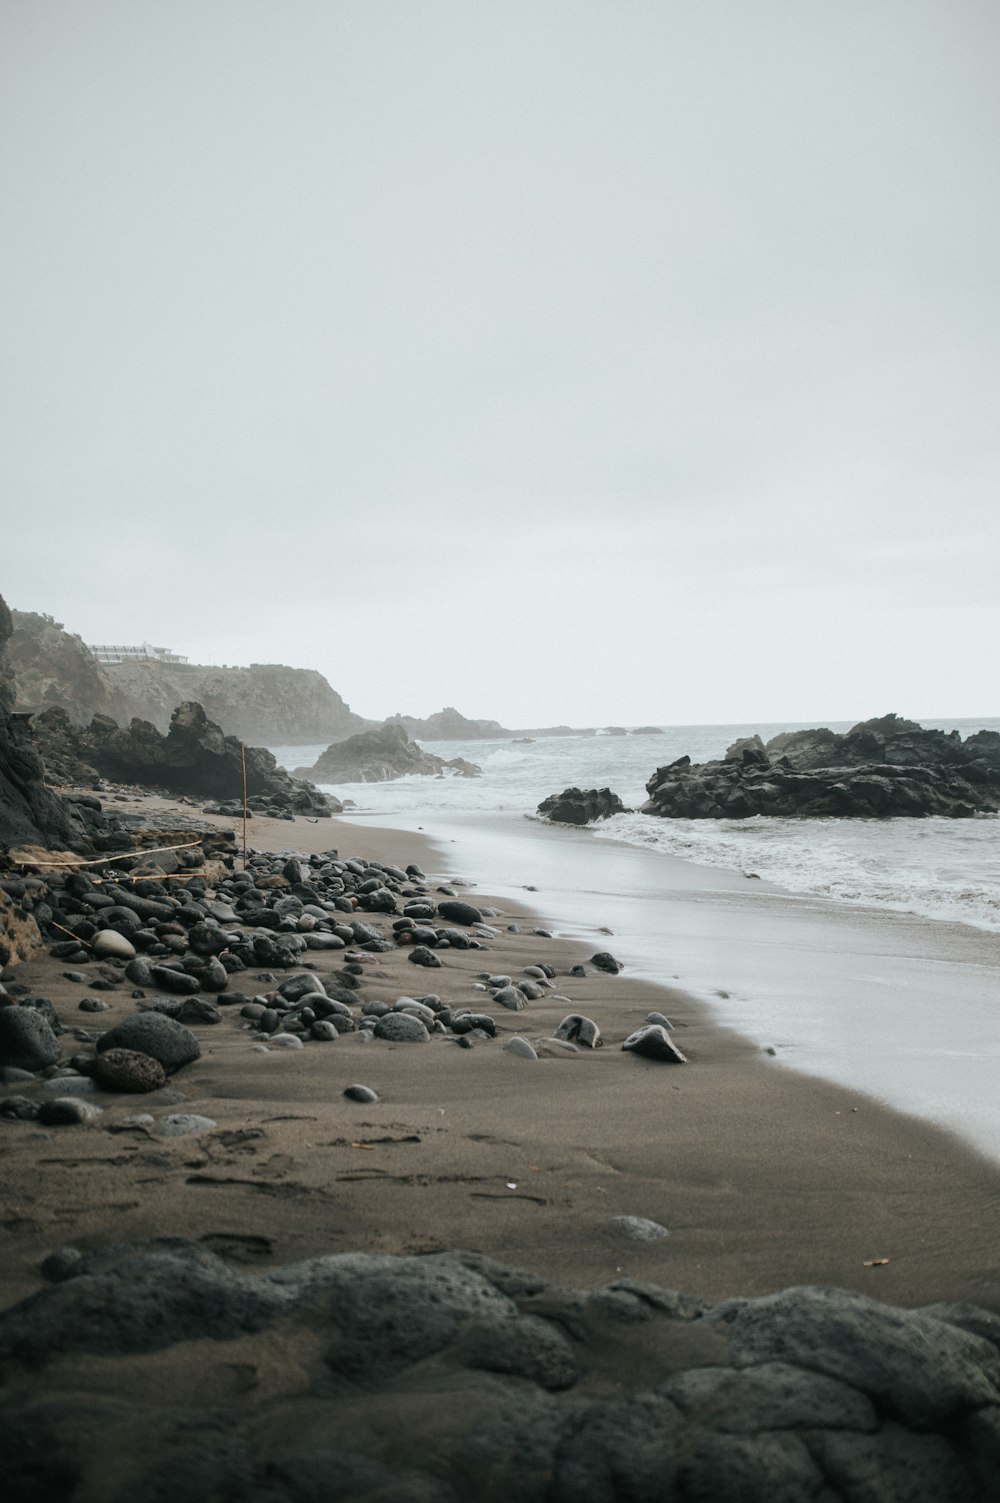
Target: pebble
pixel 654 1042
pixel 18 1108
pixel 128 1070
pixel 110 942
pixel 511 997
pixel 421 955
pixel 324 1031
pixel 69 1111
pixel 286 1041
pixel 520 1046
pixel 360 1093
pixel 401 1028
pixel 183 1124
pixel 639 1229
pixel 69 1085
pixel 657 1017
pixel 578 1029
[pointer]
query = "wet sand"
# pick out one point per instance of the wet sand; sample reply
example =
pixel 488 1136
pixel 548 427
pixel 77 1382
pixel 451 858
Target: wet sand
pixel 763 1177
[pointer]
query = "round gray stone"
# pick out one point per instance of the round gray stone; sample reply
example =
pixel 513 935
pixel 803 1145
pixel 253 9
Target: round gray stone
pixel 26 1040
pixel 401 1028
pixel 152 1033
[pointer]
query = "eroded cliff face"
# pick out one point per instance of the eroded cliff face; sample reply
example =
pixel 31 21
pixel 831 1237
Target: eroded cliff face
pixel 267 703
pixel 51 666
pixel 30 814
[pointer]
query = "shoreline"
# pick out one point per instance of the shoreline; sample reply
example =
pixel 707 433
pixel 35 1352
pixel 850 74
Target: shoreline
pixel 763 1177
pixel 898 1007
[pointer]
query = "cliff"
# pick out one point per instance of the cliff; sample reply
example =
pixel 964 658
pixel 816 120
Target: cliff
pixel 51 666
pixel 267 703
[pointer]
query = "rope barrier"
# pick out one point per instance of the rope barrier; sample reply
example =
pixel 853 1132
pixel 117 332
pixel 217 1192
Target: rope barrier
pixel 111 856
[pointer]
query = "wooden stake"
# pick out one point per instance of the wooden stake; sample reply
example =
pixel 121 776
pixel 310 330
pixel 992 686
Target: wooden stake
pixel 243 759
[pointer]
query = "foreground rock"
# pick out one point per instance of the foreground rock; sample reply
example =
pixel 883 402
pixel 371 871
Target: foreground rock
pixel 581 806
pixel 196 758
pixel 880 768
pixel 499 1386
pixel 380 756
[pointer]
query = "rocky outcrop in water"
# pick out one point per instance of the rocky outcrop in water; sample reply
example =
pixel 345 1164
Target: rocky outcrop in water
pixel 499 1385
pixel 448 725
pixel 581 806
pixel 880 768
pixel 196 757
pixel 380 756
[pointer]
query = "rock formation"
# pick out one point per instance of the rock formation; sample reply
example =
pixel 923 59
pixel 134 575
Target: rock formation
pixel 195 757
pixel 581 806
pixel 883 767
pixel 380 756
pixel 492 1383
pixel 266 703
pixel 53 667
pixel 448 725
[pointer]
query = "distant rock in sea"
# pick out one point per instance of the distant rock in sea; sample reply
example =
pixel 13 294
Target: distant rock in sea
pixel 379 757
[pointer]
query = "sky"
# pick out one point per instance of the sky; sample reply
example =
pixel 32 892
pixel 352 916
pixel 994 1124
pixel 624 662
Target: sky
pixel 558 360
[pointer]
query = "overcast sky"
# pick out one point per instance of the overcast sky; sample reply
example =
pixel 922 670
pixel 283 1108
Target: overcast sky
pixel 557 360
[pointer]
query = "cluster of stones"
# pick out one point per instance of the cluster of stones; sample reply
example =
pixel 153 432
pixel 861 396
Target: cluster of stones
pixel 181 950
pixel 502 1385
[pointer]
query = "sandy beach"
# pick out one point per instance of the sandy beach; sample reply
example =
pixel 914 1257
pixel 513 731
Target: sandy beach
pixel 763 1177
pixel 214 1315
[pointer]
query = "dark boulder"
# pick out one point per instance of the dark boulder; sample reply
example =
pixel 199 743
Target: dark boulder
pixel 27 1041
pixel 581 806
pixel 151 1033
pixel 195 757
pixel 879 769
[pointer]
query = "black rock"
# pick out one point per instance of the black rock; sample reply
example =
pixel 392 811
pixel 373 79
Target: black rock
pixel 654 1042
pixel 459 912
pixel 420 955
pixel 580 806
pixel 26 1039
pixel 151 1033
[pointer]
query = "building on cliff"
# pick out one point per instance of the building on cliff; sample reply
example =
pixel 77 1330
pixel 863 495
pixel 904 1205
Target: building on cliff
pixel 112 652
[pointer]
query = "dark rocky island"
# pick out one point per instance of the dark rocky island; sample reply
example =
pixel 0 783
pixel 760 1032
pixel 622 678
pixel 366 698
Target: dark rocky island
pixel 380 756
pixel 880 768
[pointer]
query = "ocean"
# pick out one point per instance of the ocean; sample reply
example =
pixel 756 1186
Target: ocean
pixel 941 869
pixel 863 951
